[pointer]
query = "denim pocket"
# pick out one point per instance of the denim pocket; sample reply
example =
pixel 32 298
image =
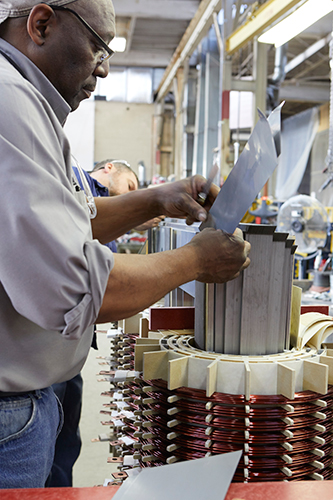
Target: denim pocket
pixel 61 415
pixel 16 416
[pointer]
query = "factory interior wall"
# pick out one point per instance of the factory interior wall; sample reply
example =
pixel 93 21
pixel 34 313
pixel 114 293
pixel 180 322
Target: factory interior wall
pixel 79 129
pixel 125 131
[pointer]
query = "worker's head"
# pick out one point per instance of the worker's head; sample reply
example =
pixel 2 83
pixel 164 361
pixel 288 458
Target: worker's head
pixel 116 175
pixel 67 40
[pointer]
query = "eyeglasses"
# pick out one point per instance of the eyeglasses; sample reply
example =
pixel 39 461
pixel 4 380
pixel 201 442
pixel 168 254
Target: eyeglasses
pixel 108 52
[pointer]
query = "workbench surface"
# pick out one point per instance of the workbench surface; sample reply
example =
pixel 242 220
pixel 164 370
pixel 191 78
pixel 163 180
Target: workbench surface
pixel 305 490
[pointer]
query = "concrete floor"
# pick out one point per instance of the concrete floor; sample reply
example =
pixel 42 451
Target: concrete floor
pixel 91 468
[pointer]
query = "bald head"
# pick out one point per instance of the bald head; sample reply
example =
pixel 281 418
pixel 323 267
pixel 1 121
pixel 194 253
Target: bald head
pixel 21 8
pixel 10 9
pixel 99 9
pixel 58 42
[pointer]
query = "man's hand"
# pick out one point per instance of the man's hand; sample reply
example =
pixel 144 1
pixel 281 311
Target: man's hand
pixel 179 199
pixel 118 214
pixel 221 256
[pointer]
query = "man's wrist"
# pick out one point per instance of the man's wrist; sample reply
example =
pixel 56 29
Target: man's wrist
pixel 153 201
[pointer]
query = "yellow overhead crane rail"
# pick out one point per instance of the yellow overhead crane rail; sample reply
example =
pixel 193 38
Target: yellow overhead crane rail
pixel 259 20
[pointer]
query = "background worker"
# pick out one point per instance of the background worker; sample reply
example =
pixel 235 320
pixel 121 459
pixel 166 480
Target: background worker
pixel 116 175
pixel 57 279
pixel 119 178
pixel 108 178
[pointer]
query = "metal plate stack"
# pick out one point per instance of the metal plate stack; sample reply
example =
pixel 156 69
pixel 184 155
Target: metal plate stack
pixel 251 314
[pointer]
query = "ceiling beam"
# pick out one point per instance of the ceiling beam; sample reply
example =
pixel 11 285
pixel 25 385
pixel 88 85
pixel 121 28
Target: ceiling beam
pixel 130 34
pixel 243 85
pixel 196 30
pixel 182 10
pixel 310 51
pixel 261 18
pixel 237 14
pixel 309 92
pixel 310 68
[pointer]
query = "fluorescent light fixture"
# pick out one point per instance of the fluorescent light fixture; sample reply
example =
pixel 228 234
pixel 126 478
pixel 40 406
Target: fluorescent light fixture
pixel 294 24
pixel 118 44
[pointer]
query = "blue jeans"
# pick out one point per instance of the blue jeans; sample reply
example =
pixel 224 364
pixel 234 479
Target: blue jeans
pixel 29 425
pixel 68 444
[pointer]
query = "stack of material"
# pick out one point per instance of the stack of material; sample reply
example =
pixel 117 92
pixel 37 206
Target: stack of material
pixel 251 314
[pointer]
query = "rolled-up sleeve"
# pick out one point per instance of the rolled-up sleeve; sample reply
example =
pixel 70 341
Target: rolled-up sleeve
pixel 86 311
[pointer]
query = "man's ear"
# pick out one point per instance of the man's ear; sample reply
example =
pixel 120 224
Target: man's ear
pixel 108 167
pixel 40 19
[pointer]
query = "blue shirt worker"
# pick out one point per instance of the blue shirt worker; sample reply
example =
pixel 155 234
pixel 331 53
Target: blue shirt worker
pixel 108 178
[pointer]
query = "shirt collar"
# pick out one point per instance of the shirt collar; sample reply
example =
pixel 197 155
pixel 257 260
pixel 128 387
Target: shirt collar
pixel 33 74
pixel 103 191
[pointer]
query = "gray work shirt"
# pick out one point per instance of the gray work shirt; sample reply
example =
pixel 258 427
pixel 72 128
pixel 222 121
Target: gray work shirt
pixel 53 275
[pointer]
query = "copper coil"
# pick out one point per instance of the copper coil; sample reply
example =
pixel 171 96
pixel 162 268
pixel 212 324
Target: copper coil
pixel 278 462
pixel 130 424
pixel 327 473
pixel 298 420
pixel 265 475
pixel 189 455
pixel 230 412
pixel 144 465
pixel 227 411
pixel 264 439
pixel 259 454
pixel 156 454
pixel 255 451
pixel 239 411
pixel 305 396
pixel 160 445
pixel 160 436
pixel 132 337
pixel 304 469
pixel 192 428
pixel 232 436
pixel 239 424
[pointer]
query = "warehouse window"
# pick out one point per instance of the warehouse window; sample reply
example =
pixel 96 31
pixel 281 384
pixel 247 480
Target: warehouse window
pixel 135 85
pixel 241 106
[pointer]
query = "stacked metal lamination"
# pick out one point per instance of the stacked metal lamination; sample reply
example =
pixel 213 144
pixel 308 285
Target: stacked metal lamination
pixel 251 314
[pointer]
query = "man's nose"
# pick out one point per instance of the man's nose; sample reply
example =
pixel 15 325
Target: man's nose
pixel 102 70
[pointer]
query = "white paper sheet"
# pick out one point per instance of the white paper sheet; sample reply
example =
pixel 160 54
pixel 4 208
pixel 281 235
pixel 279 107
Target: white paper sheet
pixel 201 479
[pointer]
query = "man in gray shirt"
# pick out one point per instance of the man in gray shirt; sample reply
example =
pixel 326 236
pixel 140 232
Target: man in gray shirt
pixel 56 278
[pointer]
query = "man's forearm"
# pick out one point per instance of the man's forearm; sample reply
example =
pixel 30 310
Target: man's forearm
pixel 118 214
pixel 138 281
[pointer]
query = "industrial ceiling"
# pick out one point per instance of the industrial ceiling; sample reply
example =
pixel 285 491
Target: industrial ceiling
pixel 154 29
